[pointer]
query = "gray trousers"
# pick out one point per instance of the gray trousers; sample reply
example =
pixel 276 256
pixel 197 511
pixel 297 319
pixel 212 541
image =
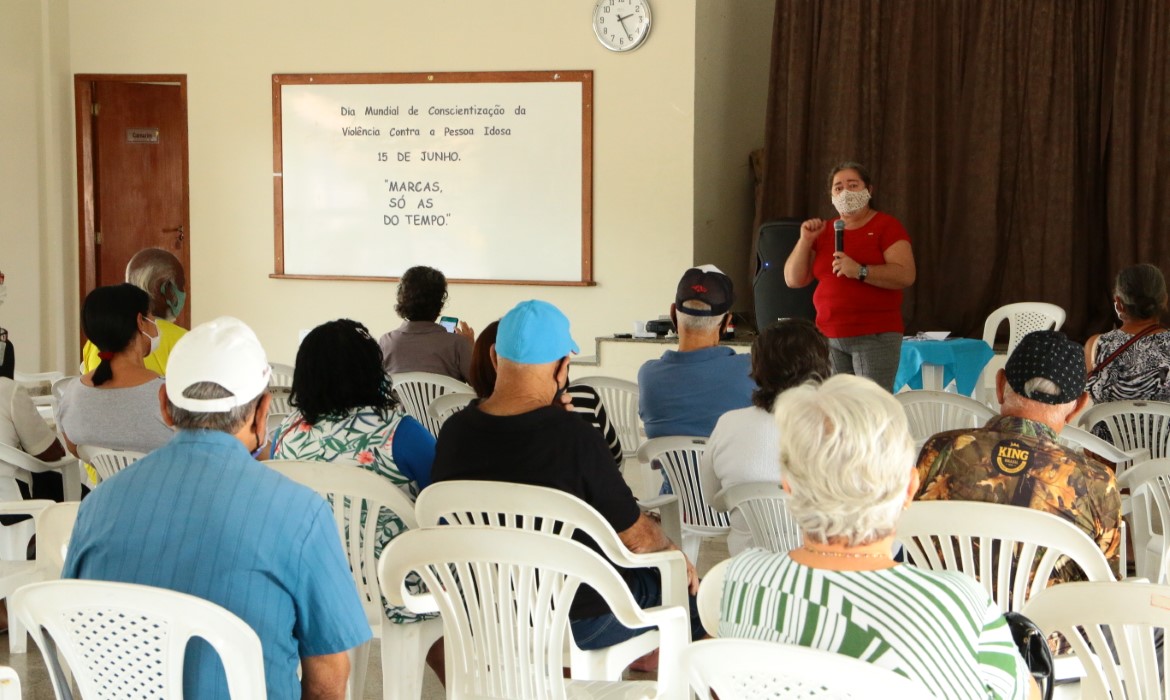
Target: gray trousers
pixel 874 356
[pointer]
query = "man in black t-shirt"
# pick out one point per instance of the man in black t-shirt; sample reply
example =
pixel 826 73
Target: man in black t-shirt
pixel 522 434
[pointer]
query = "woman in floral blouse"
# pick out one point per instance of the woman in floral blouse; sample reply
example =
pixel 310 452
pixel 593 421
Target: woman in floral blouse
pixel 345 411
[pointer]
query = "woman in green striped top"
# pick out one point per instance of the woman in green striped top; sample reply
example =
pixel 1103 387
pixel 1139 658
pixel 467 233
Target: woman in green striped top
pixel 847 460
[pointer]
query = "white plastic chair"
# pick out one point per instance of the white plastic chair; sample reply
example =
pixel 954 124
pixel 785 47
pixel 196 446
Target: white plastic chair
pixel 1141 428
pixel 352 492
pixel 124 641
pixel 46 403
pixel 620 398
pixel 1023 318
pixel 747 669
pixel 764 506
pixel 1097 618
pixel 1149 488
pixel 107 462
pixel 680 457
pixel 710 597
pixel 499 505
pixel 9 684
pixel 934 412
pixel 446 405
pixel 21 463
pixel 53 523
pixel 281 377
pixel 504 596
pixel 416 391
pixel 1079 438
pixel 1011 550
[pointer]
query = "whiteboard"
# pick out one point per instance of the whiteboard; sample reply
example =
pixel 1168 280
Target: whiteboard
pixel 485 176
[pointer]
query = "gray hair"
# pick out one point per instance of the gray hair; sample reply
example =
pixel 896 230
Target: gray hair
pixel 846 451
pixel 149 270
pixel 225 421
pixel 1017 404
pixel 697 324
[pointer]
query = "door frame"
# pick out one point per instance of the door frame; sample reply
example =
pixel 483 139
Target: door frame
pixel 82 99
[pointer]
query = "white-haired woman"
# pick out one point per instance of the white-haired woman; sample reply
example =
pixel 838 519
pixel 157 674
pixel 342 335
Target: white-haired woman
pixel 847 461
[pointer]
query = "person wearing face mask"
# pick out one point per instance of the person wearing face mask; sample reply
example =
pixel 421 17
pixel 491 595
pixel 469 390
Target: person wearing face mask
pixel 116 404
pixel 1132 362
pixel 859 289
pixel 160 274
pixel 520 434
pixel 201 516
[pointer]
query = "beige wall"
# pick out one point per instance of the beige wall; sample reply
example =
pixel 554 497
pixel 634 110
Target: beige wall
pixel 733 43
pixel 646 144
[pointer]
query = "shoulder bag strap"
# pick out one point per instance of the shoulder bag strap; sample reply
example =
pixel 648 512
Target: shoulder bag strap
pixel 1125 346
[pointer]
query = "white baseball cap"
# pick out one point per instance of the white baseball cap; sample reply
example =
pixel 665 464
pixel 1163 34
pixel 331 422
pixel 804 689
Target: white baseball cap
pixel 224 351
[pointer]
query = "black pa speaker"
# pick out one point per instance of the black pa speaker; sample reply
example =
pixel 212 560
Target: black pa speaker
pixel 774 299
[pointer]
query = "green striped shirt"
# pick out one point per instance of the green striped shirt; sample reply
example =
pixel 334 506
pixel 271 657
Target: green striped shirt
pixel 936 627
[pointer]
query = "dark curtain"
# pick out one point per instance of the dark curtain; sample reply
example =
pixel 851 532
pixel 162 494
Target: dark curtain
pixel 1019 141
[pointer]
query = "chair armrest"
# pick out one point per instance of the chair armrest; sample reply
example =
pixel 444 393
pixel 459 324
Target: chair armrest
pixel 657 502
pixel 674 633
pixel 30 507
pixel 672 569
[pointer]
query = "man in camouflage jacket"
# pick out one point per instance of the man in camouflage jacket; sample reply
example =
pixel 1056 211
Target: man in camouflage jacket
pixel 1015 459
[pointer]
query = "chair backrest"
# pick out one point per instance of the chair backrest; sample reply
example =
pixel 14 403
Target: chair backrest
pixel 1023 318
pixel 1011 550
pixel 620 398
pixel 124 641
pixel 710 597
pixel 446 405
pixel 107 462
pixel 1114 630
pixel 680 457
pixel 281 377
pixel 416 391
pixel 748 669
pixel 1141 427
pixel 504 598
pixel 58 386
pixel 499 504
pixel 358 497
pixel 933 412
pixel 54 528
pixel 1079 438
pixel 764 506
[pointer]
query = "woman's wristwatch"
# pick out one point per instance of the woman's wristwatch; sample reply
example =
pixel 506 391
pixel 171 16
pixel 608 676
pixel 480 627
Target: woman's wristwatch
pixel 862 273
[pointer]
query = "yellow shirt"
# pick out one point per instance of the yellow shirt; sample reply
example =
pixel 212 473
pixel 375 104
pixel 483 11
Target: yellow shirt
pixel 156 361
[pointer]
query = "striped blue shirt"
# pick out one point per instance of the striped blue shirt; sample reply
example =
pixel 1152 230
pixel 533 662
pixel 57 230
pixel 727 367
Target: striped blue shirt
pixel 202 517
pixel 935 627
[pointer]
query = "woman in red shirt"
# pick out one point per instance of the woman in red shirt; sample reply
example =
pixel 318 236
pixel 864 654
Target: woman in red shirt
pixel 859 291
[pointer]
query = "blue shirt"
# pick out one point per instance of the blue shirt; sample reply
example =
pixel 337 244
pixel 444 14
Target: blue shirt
pixel 200 516
pixel 684 393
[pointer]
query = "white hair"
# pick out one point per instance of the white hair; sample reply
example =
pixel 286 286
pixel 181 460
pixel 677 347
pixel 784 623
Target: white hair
pixel 846 451
pixel 697 324
pixel 1016 404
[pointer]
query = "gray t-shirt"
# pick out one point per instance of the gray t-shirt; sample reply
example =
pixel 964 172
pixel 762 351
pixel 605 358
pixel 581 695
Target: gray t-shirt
pixel 423 346
pixel 120 419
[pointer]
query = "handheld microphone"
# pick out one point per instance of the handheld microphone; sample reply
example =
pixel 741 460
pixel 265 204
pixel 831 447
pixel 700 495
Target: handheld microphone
pixel 839 231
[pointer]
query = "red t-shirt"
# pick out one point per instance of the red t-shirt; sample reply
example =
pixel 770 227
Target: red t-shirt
pixel 847 307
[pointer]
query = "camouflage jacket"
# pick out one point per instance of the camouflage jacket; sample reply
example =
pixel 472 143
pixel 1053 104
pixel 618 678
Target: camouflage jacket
pixel 1018 461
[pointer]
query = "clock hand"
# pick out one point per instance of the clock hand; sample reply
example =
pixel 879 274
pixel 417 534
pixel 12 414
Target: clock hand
pixel 622 21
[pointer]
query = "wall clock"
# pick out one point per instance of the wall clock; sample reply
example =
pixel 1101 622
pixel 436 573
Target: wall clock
pixel 621 25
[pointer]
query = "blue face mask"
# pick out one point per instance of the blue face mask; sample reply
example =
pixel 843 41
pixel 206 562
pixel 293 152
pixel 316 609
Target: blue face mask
pixel 175 307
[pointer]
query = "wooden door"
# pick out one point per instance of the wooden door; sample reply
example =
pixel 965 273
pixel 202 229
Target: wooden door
pixel 132 167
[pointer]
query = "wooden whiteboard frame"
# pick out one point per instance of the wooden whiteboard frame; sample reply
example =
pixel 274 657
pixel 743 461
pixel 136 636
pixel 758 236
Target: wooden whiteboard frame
pixel 585 78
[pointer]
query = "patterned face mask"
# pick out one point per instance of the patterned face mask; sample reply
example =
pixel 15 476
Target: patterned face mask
pixel 850 201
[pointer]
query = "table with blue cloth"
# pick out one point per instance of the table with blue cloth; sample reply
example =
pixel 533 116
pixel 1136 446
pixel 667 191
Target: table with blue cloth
pixel 960 360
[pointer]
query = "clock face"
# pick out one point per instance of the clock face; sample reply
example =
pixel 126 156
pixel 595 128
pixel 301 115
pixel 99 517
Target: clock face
pixel 621 25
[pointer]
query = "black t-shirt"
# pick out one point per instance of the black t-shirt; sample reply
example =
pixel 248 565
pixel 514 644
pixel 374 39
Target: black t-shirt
pixel 547 447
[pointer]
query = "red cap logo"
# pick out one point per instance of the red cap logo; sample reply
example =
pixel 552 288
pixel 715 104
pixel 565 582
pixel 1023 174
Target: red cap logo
pixel 699 288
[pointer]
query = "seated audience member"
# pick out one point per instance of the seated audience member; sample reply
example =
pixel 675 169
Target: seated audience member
pixel 116 404
pixel 686 390
pixel 1132 363
pixel 846 458
pixel 583 400
pixel 1015 458
pixel 160 274
pixel 744 445
pixel 226 528
pixel 519 434
pixel 420 344
pixel 23 428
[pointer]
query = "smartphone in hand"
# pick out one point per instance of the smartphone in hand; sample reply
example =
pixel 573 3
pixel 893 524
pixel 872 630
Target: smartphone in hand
pixel 449 322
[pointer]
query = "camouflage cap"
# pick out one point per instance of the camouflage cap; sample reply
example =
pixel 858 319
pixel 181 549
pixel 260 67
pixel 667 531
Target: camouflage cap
pixel 1047 355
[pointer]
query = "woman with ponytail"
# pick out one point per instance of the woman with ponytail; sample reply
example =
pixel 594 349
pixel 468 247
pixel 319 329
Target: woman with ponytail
pixel 116 405
pixel 1132 362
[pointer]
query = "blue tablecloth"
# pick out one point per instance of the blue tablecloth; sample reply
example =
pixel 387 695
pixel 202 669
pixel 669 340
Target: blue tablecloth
pixel 962 359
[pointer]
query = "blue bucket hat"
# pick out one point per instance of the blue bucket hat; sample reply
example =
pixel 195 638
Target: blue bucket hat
pixel 534 332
